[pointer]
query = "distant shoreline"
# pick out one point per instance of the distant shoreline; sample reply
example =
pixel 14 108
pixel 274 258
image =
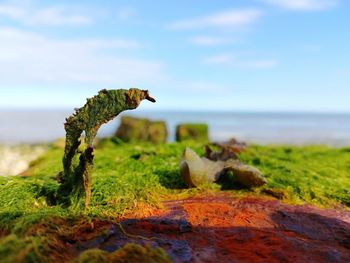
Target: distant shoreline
pixel 37 126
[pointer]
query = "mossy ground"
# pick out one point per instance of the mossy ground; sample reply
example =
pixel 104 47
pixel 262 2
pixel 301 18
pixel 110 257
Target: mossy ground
pixel 129 176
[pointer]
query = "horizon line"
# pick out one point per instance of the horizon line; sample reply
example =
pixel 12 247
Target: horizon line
pixel 243 111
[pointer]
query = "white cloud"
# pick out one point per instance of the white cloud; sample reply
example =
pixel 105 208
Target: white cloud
pixel 307 5
pixel 210 41
pixel 44 16
pixel 127 13
pixel 230 18
pixel 11 11
pixel 56 16
pixel 32 59
pixel 240 62
pixel 203 86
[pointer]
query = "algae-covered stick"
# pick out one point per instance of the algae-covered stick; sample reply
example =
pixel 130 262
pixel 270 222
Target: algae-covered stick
pixel 75 180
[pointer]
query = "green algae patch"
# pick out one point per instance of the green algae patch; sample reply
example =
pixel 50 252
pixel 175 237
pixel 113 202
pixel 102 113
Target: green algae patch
pixel 133 129
pixel 13 249
pixel 318 175
pixel 130 253
pixel 192 131
pixel 128 176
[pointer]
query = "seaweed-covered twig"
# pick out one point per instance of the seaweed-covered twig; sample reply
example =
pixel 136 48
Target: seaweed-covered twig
pixel 75 180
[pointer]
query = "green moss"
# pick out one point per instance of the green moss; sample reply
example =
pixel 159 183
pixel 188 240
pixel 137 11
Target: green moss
pixel 93 256
pixel 129 175
pixel 313 174
pixel 133 129
pixel 28 249
pixel 192 131
pixel 130 253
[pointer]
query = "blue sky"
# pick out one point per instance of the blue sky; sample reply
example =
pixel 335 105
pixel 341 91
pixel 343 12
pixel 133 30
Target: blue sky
pixel 258 55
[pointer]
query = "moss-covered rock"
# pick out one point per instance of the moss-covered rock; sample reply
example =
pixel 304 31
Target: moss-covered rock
pixel 133 129
pixel 192 131
pixel 129 177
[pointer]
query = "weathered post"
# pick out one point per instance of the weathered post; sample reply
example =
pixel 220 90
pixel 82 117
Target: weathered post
pixel 75 179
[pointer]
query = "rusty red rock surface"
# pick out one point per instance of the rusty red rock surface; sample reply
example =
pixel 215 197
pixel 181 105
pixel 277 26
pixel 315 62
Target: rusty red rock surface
pixel 223 229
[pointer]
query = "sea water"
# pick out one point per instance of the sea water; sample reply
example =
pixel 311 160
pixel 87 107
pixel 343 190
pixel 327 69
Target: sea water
pixel 33 126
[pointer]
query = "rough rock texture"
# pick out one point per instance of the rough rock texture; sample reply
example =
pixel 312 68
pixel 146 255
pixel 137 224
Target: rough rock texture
pixel 192 131
pixel 225 229
pixel 75 180
pixel 133 129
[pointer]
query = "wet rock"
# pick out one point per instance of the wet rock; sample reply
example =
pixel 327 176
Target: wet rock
pixel 234 145
pixel 223 155
pixel 133 129
pixel 193 169
pixel 228 150
pixel 197 171
pixel 192 131
pixel 246 175
pixel 224 229
pixel 277 193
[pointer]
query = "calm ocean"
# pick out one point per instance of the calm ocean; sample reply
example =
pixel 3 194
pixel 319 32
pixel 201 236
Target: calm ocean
pixel 263 128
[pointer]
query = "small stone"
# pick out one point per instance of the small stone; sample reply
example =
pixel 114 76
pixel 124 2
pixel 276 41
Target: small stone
pixel 246 175
pixel 192 168
pixel 197 171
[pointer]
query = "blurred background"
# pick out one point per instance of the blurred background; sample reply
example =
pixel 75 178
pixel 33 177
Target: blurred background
pixel 262 71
